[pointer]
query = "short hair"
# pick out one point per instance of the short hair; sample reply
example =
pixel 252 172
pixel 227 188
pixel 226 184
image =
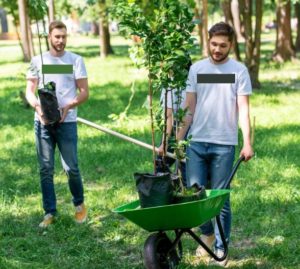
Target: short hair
pixel 56 25
pixel 221 28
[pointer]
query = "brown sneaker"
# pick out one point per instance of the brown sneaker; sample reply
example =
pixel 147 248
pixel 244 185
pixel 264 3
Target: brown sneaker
pixel 80 213
pixel 48 219
pixel 208 240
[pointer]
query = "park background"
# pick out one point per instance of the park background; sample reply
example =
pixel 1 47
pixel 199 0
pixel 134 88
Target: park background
pixel 265 197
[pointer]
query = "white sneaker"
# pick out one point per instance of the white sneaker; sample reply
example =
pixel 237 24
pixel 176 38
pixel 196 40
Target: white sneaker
pixel 220 254
pixel 208 240
pixel 48 219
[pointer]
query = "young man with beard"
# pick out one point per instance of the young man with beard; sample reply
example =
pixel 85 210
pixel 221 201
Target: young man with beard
pixel 63 133
pixel 214 108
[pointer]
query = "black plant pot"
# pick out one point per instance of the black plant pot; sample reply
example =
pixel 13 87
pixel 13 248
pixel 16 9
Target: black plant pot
pixel 154 190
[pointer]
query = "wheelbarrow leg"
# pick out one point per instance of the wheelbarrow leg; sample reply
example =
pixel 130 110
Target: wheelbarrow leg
pixel 210 252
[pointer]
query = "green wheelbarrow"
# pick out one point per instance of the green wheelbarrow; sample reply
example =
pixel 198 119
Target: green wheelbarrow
pixel 160 252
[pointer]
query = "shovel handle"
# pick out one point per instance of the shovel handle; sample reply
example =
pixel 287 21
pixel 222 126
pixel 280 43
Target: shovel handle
pixel 235 168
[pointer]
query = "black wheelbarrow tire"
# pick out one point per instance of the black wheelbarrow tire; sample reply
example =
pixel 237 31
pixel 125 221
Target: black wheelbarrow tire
pixel 156 252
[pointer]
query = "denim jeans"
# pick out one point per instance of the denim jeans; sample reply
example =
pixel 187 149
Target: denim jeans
pixel 210 165
pixel 64 135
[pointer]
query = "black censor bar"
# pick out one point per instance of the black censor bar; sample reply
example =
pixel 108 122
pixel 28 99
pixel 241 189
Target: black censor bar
pixel 215 78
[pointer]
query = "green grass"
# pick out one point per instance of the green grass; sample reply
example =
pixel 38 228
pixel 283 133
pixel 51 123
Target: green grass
pixel 265 197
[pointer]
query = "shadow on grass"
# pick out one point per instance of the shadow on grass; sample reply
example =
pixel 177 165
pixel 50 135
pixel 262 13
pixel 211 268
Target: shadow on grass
pixel 65 244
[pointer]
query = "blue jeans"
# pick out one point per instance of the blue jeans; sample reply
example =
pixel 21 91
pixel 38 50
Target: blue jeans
pixel 210 165
pixel 64 136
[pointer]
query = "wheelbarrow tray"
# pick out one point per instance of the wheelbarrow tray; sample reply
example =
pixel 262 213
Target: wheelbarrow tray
pixel 175 216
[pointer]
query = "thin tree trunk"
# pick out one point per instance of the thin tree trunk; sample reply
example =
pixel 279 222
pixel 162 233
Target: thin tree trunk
pixel 27 52
pixel 297 13
pixel 254 68
pixel 95 29
pixel 247 12
pixel 30 37
pixel 284 45
pixel 199 25
pixel 51 10
pixel 235 11
pixel 252 48
pixel 198 16
pixel 205 28
pixel 105 46
pixel 226 6
pixel 46 38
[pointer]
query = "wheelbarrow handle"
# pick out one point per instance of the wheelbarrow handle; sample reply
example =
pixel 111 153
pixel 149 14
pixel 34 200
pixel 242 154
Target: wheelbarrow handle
pixel 235 168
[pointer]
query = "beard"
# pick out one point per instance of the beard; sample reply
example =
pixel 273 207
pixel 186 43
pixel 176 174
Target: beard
pixel 218 60
pixel 58 48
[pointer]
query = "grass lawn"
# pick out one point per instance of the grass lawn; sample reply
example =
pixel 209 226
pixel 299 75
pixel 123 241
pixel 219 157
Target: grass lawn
pixel 265 196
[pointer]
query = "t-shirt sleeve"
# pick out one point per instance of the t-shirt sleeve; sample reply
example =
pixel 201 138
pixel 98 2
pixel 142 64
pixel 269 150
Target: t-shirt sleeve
pixel 32 71
pixel 80 70
pixel 244 83
pixel 191 81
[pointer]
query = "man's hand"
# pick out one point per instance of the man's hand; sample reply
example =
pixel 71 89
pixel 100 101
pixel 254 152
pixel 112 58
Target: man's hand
pixel 160 150
pixel 64 113
pixel 247 152
pixel 40 115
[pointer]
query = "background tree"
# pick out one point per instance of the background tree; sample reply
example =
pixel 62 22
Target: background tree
pixel 51 10
pixel 252 45
pixel 26 36
pixel 226 6
pixel 238 25
pixel 284 50
pixel 297 14
pixel 204 20
pixel 105 46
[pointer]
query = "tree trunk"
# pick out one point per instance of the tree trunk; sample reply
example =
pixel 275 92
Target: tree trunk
pixel 198 16
pixel 252 48
pixel 284 45
pixel 51 10
pixel 226 6
pixel 254 68
pixel 235 11
pixel 95 28
pixel 297 13
pixel 246 9
pixel 25 36
pixel 3 17
pixel 30 37
pixel 105 46
pixel 205 28
pixel 46 38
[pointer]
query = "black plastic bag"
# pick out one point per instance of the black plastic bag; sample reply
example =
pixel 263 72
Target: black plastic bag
pixel 154 190
pixel 49 104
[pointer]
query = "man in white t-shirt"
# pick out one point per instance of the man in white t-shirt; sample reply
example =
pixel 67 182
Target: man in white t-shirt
pixel 62 133
pixel 214 108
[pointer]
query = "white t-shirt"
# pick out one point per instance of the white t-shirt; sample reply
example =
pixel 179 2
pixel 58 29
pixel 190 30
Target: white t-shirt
pixel 216 113
pixel 66 89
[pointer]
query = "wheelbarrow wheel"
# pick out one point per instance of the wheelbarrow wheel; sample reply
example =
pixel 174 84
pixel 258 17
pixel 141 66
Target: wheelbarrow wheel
pixel 157 254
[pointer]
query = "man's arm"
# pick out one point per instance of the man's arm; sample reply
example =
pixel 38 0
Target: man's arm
pixel 31 98
pixel 82 85
pixel 244 119
pixel 190 103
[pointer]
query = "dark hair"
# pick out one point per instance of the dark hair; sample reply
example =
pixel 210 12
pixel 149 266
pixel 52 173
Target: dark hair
pixel 221 28
pixel 56 25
